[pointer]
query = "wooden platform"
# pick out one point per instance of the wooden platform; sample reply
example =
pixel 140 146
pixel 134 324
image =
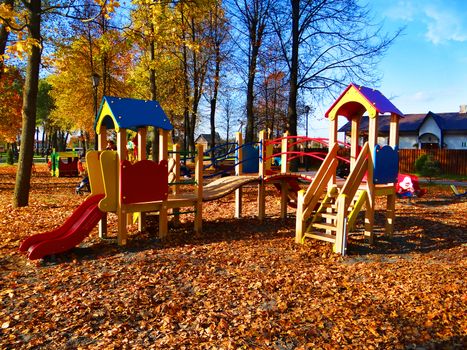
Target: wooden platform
pixel 226 185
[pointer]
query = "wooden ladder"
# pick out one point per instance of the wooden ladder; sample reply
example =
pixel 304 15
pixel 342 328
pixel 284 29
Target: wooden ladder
pixel 325 217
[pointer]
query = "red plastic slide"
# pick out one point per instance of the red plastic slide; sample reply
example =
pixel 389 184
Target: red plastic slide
pixel 67 236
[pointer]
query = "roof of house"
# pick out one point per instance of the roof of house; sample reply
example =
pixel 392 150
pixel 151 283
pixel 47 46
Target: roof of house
pixel 207 137
pixel 130 113
pixel 453 121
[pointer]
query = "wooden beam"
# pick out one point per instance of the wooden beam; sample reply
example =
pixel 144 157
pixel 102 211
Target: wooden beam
pixel 284 155
pixel 354 134
pixel 394 131
pixel 370 203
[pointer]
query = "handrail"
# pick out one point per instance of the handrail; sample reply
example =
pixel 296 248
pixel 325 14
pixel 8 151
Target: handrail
pixel 320 181
pixel 355 177
pixel 302 139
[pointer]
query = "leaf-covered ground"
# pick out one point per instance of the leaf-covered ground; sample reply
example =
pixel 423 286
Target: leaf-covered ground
pixel 239 285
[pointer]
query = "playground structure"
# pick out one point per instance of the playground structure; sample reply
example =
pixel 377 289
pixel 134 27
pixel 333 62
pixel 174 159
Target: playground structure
pixel 64 163
pixel 124 188
pixel 378 166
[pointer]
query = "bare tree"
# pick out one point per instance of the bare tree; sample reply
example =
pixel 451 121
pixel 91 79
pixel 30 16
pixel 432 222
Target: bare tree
pixel 327 44
pixel 252 18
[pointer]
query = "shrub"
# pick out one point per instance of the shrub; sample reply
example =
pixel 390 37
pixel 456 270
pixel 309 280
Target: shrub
pixel 426 166
pixel 10 159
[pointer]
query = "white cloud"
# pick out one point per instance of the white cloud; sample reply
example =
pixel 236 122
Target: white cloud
pixel 444 20
pixel 402 10
pixel 445 24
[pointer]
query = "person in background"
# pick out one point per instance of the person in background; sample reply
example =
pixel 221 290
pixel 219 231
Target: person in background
pixel 111 146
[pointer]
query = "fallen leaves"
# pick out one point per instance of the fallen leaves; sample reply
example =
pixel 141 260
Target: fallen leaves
pixel 240 284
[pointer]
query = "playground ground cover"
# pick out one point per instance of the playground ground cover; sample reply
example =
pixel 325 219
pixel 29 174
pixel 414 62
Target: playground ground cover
pixel 238 285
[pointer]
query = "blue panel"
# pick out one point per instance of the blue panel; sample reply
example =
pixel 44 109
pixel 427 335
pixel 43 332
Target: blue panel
pixel 386 164
pixel 250 159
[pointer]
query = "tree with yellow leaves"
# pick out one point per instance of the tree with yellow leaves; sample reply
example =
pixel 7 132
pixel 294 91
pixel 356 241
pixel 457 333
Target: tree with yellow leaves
pixel 26 22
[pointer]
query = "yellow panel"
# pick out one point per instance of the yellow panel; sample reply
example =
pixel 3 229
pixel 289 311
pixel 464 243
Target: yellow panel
pixel 106 111
pixel 352 95
pixel 94 172
pixel 109 164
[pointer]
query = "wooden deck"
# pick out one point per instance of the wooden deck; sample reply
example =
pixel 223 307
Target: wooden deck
pixel 226 185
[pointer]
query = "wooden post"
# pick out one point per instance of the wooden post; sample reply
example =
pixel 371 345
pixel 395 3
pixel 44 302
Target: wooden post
pixel 121 144
pixel 299 222
pixel 238 172
pixel 140 156
pixel 102 138
pixel 391 198
pixel 390 213
pixel 354 141
pixel 199 188
pixel 142 135
pixel 332 142
pixel 101 144
pixel 163 155
pixel 340 224
pixel 163 144
pixel 261 173
pixel 284 169
pixel 394 131
pixel 370 203
pixel 284 155
pixel 284 198
pixel 176 187
pixel 122 216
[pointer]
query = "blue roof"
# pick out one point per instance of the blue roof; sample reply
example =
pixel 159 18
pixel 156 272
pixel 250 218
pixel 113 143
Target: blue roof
pixel 453 121
pixel 129 113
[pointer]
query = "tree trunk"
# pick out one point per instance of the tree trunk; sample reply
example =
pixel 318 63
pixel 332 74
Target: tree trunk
pixel 186 87
pixel 153 87
pixel 214 98
pixel 250 117
pixel 31 87
pixel 292 107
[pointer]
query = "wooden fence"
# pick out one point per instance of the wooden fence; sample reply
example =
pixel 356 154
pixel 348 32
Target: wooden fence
pixel 452 161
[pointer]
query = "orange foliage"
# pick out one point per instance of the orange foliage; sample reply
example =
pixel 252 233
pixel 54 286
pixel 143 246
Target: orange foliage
pixel 10 105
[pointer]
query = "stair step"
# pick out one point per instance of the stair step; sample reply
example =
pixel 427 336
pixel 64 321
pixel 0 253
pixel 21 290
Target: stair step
pixel 321 236
pixel 329 215
pixel 324 226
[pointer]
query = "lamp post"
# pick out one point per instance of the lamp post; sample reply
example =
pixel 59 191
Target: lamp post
pixel 95 83
pixel 307 111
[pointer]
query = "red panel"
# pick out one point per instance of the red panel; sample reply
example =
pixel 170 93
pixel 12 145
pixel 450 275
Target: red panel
pixel 144 181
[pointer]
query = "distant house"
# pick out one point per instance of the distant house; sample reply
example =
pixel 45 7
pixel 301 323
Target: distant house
pixel 205 140
pixel 423 131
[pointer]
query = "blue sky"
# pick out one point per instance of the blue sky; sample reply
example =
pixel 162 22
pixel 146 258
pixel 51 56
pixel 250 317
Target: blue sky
pixel 426 67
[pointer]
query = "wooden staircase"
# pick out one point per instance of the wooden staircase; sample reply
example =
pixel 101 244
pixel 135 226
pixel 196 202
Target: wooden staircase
pixel 325 217
pixel 328 215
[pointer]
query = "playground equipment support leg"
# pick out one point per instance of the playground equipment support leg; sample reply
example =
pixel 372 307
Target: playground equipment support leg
pixel 370 215
pixel 261 201
pixel 238 203
pixel 122 222
pixel 284 198
pixel 163 221
pixel 103 227
pixel 390 214
pixel 299 225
